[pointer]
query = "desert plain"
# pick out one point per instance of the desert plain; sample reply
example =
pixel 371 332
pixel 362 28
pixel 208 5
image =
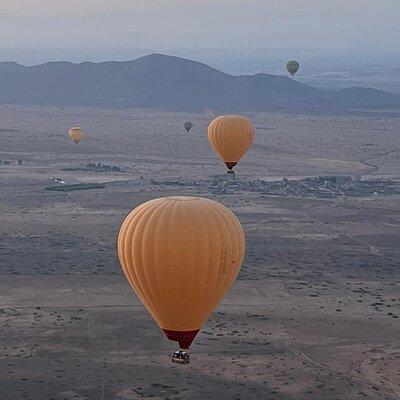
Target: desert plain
pixel 314 313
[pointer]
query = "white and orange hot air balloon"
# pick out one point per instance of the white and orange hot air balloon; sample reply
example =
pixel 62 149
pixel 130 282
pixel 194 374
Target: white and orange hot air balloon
pixel 76 134
pixel 181 255
pixel 231 136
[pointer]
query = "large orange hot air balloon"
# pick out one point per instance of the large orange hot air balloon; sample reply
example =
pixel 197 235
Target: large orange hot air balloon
pixel 181 255
pixel 76 134
pixel 230 136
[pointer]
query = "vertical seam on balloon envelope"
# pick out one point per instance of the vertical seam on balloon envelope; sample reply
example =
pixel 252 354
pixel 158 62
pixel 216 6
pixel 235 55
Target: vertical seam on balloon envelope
pixel 184 214
pixel 228 222
pixel 196 249
pixel 216 143
pixel 243 138
pixel 246 136
pixel 166 213
pixel 149 290
pixel 128 245
pixel 129 271
pixel 150 272
pixel 221 241
pixel 149 304
pixel 251 133
pixel 199 298
pixel 216 137
pixel 126 224
pixel 235 241
pixel 235 138
pixel 219 221
pixel 238 141
pixel 220 138
pixel 232 221
pixel 210 218
pixel 211 138
pixel 173 216
pixel 232 138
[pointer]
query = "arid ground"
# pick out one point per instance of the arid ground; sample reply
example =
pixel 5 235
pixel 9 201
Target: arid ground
pixel 314 313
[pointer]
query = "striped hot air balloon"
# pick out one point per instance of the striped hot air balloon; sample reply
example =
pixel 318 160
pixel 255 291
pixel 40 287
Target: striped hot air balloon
pixel 181 255
pixel 231 136
pixel 76 134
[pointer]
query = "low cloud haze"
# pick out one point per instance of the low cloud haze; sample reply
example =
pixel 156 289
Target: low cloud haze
pixel 39 30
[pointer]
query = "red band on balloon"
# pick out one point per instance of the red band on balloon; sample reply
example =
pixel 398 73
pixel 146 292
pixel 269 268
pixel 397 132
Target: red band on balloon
pixel 184 338
pixel 230 165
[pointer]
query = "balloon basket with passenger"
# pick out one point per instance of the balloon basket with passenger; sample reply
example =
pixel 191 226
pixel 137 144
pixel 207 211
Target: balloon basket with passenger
pixel 180 357
pixel 230 166
pixel 184 339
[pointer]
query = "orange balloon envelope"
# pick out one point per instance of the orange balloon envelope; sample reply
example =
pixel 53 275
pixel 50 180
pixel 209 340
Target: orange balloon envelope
pixel 230 136
pixel 181 255
pixel 76 134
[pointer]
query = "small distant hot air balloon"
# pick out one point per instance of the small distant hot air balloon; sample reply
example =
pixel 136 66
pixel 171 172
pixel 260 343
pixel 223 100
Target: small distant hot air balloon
pixel 76 134
pixel 181 255
pixel 292 66
pixel 188 126
pixel 231 136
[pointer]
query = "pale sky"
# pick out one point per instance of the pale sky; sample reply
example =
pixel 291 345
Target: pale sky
pixel 107 27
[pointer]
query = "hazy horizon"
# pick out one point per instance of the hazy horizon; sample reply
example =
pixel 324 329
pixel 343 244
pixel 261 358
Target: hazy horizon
pixel 44 30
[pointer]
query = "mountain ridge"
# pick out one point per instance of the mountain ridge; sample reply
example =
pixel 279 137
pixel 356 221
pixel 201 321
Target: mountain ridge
pixel 169 82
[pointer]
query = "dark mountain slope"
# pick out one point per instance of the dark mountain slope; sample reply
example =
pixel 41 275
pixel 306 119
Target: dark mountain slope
pixel 159 81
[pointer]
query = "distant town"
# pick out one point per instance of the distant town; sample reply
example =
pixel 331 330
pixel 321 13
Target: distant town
pixel 317 187
pixel 95 167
